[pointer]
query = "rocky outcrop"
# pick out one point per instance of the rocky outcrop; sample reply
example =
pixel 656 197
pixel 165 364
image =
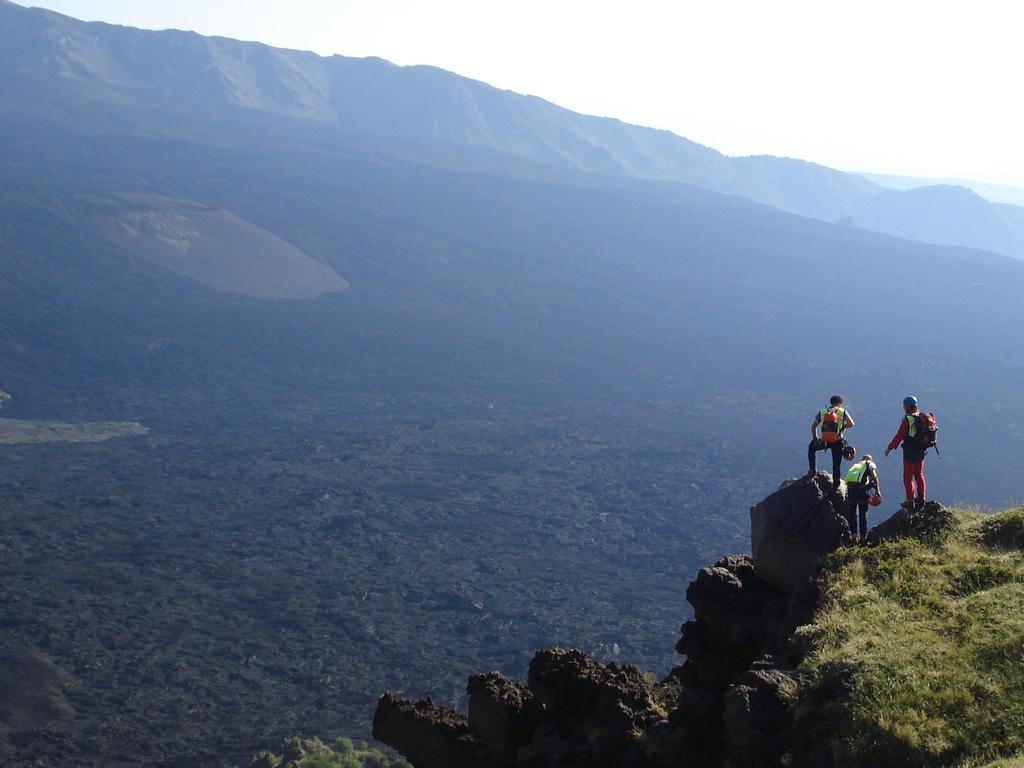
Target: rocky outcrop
pixel 729 704
pixel 502 713
pixel 574 711
pixel 428 736
pixel 927 521
pixel 794 527
pixel 738 618
pixel 576 692
pixel 756 713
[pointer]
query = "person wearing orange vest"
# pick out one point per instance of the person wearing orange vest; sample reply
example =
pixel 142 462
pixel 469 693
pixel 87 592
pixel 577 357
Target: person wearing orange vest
pixel 834 421
pixel 913 452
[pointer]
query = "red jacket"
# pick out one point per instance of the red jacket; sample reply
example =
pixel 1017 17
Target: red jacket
pixel 901 433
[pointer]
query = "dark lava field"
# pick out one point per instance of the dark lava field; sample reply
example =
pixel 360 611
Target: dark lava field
pixel 205 594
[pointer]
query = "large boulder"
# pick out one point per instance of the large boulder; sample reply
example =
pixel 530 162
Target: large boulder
pixel 792 529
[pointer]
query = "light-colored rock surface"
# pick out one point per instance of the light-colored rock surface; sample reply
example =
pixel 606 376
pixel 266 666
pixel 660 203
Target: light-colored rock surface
pixel 13 431
pixel 215 247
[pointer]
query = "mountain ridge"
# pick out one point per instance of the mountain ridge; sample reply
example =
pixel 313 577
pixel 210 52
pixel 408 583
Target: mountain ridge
pixel 996 193
pixel 376 97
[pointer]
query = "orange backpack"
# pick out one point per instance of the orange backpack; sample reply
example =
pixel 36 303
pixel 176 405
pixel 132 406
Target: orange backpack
pixel 833 421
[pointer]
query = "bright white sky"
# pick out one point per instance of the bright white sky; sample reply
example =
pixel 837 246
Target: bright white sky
pixel 917 87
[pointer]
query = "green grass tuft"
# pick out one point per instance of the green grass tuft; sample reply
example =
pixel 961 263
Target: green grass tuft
pixel 924 640
pixel 1012 762
pixel 1004 530
pixel 342 753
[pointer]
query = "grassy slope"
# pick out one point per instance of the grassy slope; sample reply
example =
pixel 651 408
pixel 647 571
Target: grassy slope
pixel 926 639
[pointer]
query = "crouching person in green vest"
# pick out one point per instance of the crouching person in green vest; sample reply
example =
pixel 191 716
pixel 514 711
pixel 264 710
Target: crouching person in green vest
pixel 862 491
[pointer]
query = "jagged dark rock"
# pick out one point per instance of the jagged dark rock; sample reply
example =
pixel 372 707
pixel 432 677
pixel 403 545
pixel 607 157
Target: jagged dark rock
pixel 501 712
pixel 896 526
pixel 756 714
pixel 929 520
pixel 794 527
pixel 574 711
pixel 729 705
pixel 738 618
pixel 428 735
pixel 576 690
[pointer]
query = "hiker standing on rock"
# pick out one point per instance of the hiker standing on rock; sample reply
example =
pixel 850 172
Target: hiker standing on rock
pixel 862 491
pixel 834 421
pixel 917 435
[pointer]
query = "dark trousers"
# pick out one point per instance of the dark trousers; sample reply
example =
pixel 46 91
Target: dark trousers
pixel 857 508
pixel 837 456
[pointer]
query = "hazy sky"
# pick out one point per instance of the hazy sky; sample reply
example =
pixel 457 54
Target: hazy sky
pixel 903 86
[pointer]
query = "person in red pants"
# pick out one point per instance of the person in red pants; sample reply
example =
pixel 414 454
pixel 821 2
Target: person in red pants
pixel 914 450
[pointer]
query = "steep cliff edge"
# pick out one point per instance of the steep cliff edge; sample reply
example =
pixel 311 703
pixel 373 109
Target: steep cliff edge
pixel 811 653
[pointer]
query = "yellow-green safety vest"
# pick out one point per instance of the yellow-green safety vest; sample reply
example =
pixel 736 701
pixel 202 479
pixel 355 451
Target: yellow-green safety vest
pixel 911 425
pixel 855 474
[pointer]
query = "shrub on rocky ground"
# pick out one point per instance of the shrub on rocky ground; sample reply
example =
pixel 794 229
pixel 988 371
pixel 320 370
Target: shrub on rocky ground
pixel 341 753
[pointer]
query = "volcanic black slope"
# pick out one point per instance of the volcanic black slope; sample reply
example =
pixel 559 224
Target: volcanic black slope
pixel 495 401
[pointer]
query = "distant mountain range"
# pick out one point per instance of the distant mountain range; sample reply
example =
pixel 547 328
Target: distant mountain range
pixel 102 77
pixel 997 193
